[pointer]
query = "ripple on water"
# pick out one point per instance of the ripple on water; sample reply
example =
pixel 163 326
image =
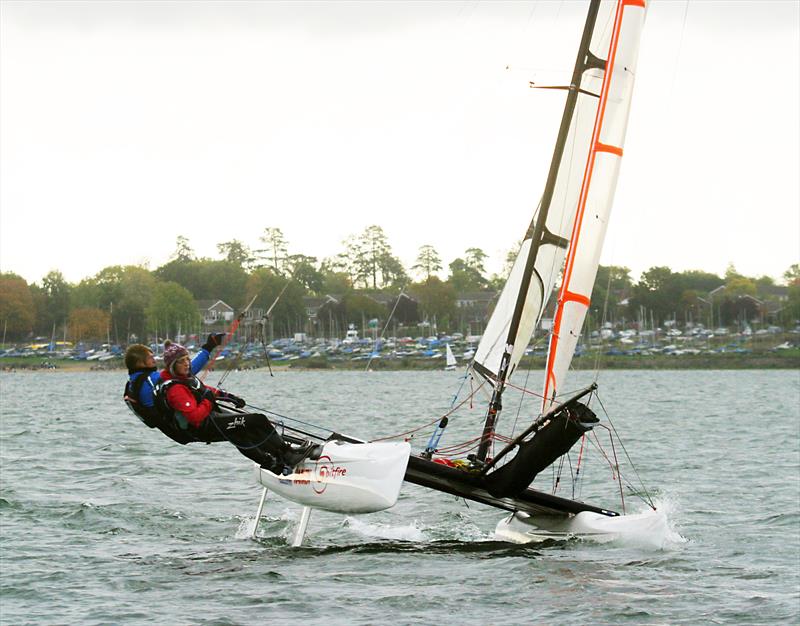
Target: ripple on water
pixel 108 522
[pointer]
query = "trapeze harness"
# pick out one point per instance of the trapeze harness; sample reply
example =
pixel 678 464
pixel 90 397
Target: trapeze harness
pixel 161 415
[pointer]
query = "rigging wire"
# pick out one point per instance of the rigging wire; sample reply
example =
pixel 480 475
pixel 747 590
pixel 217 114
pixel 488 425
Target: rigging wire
pixel 619 473
pixel 438 431
pixel 447 414
pixel 648 499
pixel 521 399
pixel 616 470
pixel 228 336
pixel 602 323
pixel 263 323
pixel 290 419
pixel 389 319
pixel 678 54
pixel 524 389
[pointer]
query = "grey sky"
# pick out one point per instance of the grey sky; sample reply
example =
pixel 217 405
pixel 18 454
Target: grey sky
pixel 216 120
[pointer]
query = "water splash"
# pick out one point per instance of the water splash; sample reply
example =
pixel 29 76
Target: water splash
pixel 406 532
pixel 283 522
pixel 246 527
pixel 659 530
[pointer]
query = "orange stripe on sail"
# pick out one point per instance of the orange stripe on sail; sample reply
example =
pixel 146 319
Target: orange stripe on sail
pixel 577 297
pixel 587 179
pixel 633 3
pixel 604 147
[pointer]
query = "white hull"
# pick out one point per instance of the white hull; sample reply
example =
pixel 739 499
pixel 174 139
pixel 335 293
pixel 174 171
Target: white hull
pixel 523 528
pixel 347 477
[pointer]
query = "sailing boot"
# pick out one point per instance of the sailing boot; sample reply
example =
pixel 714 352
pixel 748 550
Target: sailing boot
pixel 296 454
pixel 286 455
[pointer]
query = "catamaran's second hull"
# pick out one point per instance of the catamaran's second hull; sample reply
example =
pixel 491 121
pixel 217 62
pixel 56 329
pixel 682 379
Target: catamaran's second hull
pixel 426 473
pixel 522 527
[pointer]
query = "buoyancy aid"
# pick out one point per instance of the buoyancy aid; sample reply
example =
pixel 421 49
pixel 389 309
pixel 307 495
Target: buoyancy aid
pixel 155 416
pixel 132 394
pixel 195 387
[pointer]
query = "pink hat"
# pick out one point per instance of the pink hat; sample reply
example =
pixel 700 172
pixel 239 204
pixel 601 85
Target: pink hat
pixel 173 352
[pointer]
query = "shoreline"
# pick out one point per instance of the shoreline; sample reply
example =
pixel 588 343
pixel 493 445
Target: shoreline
pixel 725 361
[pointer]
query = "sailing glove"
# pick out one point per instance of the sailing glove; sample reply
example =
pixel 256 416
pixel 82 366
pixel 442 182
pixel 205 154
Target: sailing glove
pixel 236 401
pixel 208 394
pixel 214 340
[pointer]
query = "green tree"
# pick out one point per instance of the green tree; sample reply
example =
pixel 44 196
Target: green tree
pixel 17 314
pixel 764 281
pixel 393 274
pixel 659 291
pixel 185 272
pixel 464 277
pixel 289 314
pixel 371 260
pixel 428 262
pixel 172 308
pixel 129 317
pixel 358 307
pixel 207 279
pixel 237 253
pixel 347 262
pixel 611 286
pixel 99 291
pixel 740 286
pixel 183 251
pixel 374 246
pixel 223 280
pixel 334 280
pixel 700 281
pixel 475 258
pixel 51 302
pixel 436 299
pixel 730 273
pixel 791 311
pixel 303 269
pixel 276 250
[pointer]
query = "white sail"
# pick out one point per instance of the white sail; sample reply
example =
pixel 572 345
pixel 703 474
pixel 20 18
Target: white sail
pixel 560 219
pixel 619 45
pixel 451 358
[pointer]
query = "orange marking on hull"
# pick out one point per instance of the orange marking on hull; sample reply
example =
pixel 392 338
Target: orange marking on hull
pixel 604 147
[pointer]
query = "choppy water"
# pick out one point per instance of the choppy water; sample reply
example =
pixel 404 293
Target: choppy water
pixel 107 522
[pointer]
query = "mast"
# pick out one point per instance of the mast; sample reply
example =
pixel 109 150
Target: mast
pixel 585 60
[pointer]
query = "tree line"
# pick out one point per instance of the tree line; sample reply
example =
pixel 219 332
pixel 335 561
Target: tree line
pixel 121 302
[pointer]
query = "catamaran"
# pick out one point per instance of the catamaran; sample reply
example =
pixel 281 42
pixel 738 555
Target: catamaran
pixel 561 248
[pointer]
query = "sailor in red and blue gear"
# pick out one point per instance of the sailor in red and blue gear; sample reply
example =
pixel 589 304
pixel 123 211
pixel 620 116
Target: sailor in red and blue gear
pixel 195 414
pixel 191 398
pixel 140 362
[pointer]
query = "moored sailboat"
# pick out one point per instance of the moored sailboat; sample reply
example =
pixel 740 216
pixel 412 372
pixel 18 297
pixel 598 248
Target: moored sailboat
pixel 450 358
